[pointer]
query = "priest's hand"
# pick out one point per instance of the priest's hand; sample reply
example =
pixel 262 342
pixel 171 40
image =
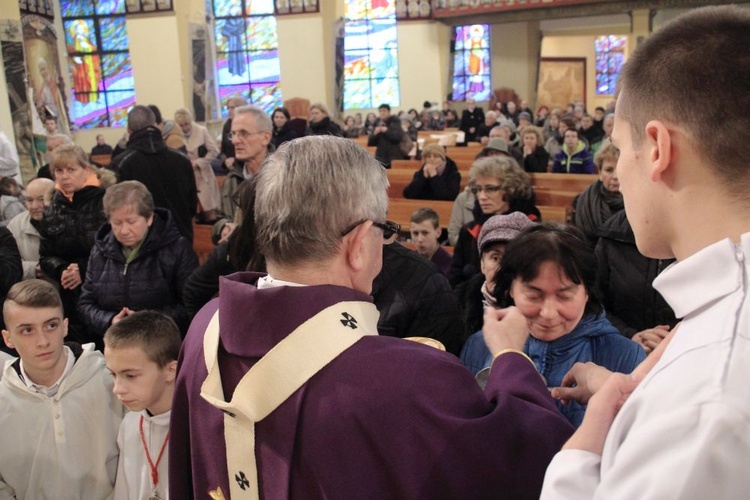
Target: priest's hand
pixel 504 329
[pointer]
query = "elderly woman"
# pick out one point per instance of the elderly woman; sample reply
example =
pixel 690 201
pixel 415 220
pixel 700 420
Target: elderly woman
pixel 202 149
pixel 535 157
pixel 437 179
pixel 11 203
pixel 68 228
pixel 321 123
pixel 139 261
pixel 548 276
pixel 500 187
pixel 602 199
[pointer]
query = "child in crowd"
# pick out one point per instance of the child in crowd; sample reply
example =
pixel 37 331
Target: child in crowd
pixel 59 419
pixel 141 351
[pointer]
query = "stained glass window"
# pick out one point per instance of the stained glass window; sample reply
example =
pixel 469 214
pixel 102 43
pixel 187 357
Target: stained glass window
pixel 471 62
pixel 370 54
pixel 96 38
pixel 247 50
pixel 610 56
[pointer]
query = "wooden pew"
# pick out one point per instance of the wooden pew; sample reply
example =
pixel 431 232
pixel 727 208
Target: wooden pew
pixel 202 241
pixel 103 160
pixel 575 183
pixel 399 178
pixel 400 210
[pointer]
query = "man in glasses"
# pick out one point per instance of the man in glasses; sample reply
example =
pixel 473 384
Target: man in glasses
pixel 251 132
pixel 284 385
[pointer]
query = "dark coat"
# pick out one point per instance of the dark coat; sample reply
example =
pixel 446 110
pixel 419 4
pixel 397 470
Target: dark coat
pixel 11 269
pixel 388 144
pixel 625 280
pixel 536 161
pixel 326 126
pixel 471 304
pixel 203 282
pixel 415 299
pixel 442 187
pixel 471 119
pixel 153 280
pixel 284 134
pixel 166 173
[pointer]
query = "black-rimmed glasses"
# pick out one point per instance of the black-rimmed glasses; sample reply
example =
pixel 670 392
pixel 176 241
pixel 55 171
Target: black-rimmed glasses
pixel 390 229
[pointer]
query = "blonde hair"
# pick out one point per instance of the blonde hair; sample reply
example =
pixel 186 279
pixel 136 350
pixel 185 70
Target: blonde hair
pixel 184 114
pixel 66 154
pixel 606 152
pixel 319 106
pixel 433 149
pixel 531 129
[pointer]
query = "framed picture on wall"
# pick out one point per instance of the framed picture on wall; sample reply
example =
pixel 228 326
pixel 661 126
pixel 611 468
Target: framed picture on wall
pixel 561 81
pixel 148 6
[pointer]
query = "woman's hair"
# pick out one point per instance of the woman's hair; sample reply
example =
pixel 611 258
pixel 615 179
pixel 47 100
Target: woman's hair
pixel 433 149
pixel 9 187
pixel 131 193
pixel 607 152
pixel 563 244
pixel 320 107
pixel 243 251
pixel 66 154
pixel 283 111
pixel 515 182
pixel 531 129
pixel 183 114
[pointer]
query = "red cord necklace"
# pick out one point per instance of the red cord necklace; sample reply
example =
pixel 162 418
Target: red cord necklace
pixel 154 471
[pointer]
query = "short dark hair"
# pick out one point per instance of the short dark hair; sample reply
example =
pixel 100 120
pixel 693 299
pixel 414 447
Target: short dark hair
pixel 572 129
pixel 666 79
pixel 154 332
pixel 599 108
pixel 426 214
pixel 33 293
pixel 385 106
pixel 283 111
pixel 157 112
pixel 140 117
pixel 562 244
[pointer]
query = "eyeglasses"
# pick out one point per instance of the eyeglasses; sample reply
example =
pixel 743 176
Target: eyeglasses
pixel 242 134
pixel 390 229
pixel 487 189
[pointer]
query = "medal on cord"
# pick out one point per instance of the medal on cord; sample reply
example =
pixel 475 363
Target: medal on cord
pixel 154 471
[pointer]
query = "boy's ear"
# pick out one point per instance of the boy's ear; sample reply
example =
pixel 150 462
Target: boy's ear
pixel 6 338
pixel 171 369
pixel 65 327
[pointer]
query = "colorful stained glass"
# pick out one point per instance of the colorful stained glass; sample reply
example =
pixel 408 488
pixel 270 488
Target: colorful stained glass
pixel 99 61
pixel 610 56
pixel 109 7
pixel 471 62
pixel 370 54
pixel 247 61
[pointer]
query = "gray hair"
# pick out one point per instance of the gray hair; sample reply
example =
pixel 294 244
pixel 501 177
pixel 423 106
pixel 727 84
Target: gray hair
pixel 310 191
pixel 140 117
pixel 262 120
pixel 514 180
pixel 131 193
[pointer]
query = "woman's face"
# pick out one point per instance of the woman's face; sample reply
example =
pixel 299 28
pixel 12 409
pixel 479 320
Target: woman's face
pixel 608 176
pixel 279 119
pixel 530 141
pixel 371 117
pixel 433 159
pixel 413 114
pixel 490 195
pixel 185 124
pixel 489 263
pixel 316 115
pixel 511 107
pixel 554 121
pixel 128 226
pixel 552 304
pixel 71 177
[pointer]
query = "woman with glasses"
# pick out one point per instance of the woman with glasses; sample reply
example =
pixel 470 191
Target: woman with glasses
pixel 548 277
pixel 500 187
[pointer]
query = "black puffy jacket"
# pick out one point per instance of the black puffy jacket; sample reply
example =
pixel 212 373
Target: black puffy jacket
pixel 153 280
pixel 11 270
pixel 415 299
pixel 625 280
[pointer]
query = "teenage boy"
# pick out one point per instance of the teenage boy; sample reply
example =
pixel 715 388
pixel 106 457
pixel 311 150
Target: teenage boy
pixel 425 231
pixel 141 352
pixel 59 418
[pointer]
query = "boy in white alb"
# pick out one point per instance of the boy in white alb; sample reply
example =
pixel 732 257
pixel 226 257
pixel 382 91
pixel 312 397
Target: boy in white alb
pixel 141 352
pixel 59 419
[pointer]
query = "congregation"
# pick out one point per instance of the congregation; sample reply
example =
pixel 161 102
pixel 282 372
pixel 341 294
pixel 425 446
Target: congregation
pixel 458 303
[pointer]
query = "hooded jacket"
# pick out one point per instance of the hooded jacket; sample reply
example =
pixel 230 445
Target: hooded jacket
pixel 593 339
pixel 166 173
pixel 578 161
pixel 62 446
pixel 152 280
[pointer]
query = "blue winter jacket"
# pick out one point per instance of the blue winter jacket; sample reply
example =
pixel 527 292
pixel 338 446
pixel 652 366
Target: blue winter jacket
pixel 593 339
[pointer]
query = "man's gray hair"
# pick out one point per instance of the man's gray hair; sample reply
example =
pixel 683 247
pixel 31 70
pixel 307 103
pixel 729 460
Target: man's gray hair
pixel 140 117
pixel 310 191
pixel 262 120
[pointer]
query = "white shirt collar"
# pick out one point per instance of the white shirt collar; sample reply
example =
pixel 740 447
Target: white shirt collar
pixel 51 390
pixel 268 281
